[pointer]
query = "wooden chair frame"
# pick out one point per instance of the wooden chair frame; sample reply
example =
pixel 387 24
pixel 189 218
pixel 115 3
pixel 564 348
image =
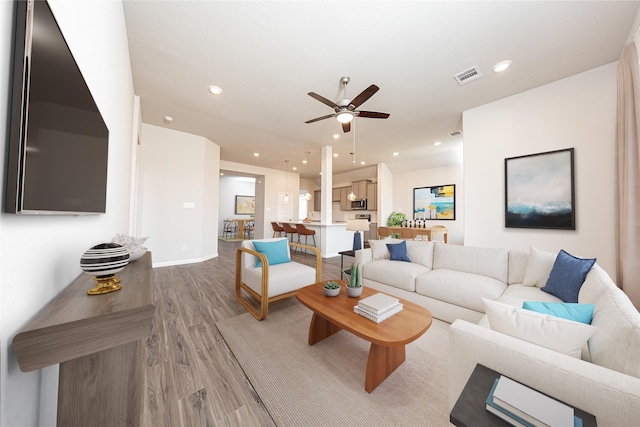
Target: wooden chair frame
pixel 263 299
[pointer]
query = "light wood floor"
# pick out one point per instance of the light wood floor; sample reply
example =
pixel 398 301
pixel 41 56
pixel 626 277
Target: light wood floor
pixel 191 376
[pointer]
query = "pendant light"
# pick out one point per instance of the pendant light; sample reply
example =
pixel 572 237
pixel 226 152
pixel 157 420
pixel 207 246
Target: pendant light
pixel 352 195
pixel 308 195
pixel 286 181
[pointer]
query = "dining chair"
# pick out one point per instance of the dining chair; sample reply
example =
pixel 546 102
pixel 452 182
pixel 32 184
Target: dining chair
pixel 230 228
pixel 249 228
pixel 439 229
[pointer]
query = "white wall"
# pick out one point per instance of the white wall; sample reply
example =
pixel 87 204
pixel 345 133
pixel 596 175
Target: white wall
pixel 178 168
pixel 230 187
pixel 270 183
pixel 39 255
pixel 404 183
pixel 578 112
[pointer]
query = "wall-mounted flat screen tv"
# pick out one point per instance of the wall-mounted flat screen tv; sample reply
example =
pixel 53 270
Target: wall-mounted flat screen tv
pixel 58 143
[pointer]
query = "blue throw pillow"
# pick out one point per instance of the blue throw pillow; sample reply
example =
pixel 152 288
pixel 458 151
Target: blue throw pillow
pixel 277 252
pixel 398 251
pixel 567 276
pixel 582 313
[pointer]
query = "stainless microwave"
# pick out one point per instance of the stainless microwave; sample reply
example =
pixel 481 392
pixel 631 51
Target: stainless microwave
pixel 359 205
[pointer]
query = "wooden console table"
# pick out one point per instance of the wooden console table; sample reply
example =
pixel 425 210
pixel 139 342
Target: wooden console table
pixel 97 340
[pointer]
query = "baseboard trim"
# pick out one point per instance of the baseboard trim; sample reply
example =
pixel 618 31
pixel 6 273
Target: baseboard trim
pixel 184 261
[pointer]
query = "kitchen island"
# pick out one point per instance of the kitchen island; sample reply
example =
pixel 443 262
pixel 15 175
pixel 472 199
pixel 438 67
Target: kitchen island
pixel 330 238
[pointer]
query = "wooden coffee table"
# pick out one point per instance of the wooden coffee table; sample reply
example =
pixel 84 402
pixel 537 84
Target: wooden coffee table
pixel 388 338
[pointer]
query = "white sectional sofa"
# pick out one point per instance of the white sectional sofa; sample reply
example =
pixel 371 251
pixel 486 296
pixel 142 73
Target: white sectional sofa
pixel 450 280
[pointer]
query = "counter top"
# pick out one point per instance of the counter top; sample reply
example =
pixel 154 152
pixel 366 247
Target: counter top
pixel 321 224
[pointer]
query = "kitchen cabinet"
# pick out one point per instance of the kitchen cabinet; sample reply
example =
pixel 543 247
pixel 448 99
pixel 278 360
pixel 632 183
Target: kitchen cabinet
pixel 372 196
pixel 335 195
pixel 360 188
pixel 317 202
pixel 345 204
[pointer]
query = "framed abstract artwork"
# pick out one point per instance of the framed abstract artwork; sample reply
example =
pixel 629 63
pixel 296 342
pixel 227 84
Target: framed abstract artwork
pixel 540 191
pixel 435 202
pixel 245 205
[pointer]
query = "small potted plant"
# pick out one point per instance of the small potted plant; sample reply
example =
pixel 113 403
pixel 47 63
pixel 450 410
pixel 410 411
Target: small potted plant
pixel 354 286
pixel 396 219
pixel 331 289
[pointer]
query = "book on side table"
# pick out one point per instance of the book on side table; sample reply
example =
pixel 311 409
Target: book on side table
pixel 475 407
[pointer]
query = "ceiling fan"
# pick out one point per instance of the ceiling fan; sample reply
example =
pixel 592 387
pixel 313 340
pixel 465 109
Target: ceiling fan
pixel 345 110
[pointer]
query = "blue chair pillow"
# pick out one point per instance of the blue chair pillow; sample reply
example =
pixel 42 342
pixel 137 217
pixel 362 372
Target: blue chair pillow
pixel 398 251
pixel 567 276
pixel 277 252
pixel 582 313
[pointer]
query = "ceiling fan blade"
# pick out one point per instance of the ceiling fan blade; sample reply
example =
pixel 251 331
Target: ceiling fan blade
pixel 323 100
pixel 372 114
pixel 346 127
pixel 364 95
pixel 317 119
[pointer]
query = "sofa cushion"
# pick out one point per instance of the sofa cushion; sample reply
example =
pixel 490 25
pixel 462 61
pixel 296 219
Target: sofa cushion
pixel 459 288
pixel 517 265
pixel 567 276
pixel 582 313
pixel 616 345
pixel 522 293
pixel 539 267
pixel 420 252
pixel 487 262
pixel 276 252
pixel 398 251
pixel 401 275
pixel 379 248
pixel 564 336
pixel 283 278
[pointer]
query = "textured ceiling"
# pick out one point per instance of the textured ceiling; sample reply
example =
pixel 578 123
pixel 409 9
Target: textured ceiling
pixel 267 55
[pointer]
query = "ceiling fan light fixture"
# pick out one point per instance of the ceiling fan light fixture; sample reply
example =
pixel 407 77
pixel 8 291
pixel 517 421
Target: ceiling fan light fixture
pixel 345 116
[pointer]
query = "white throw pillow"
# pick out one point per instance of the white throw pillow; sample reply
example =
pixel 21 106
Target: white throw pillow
pixel 539 267
pixel 379 248
pixel 555 333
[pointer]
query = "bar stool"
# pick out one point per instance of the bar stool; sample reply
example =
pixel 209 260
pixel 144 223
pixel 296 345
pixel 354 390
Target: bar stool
pixel 304 231
pixel 289 229
pixel 277 229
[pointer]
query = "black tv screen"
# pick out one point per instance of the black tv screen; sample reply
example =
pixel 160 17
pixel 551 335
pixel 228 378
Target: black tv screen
pixel 58 142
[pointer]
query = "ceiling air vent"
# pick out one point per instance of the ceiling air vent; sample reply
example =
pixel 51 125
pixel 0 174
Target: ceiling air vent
pixel 455 133
pixel 467 76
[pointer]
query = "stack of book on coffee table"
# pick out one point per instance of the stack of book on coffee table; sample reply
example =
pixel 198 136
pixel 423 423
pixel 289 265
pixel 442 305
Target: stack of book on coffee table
pixel 378 307
pixel 520 406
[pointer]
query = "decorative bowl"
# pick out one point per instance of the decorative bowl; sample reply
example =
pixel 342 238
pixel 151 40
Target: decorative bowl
pixel 137 253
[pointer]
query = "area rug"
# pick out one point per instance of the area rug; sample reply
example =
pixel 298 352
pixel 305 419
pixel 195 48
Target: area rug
pixel 323 385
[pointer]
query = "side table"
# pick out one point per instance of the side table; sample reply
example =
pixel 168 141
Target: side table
pixel 344 273
pixel 469 409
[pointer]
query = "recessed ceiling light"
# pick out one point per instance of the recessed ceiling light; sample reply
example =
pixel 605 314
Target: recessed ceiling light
pixel 437 143
pixel 256 154
pixel 363 163
pixel 221 173
pixel 294 168
pixel 336 135
pixel 304 161
pixel 335 154
pixel 501 66
pixel 215 90
pixel 320 172
pixel 396 154
pixel 167 119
